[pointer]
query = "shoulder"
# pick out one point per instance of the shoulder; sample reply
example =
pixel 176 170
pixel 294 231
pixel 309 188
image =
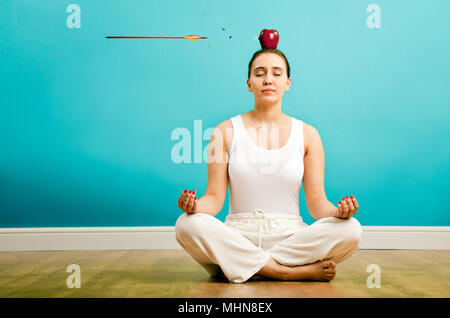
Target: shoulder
pixel 311 136
pixel 226 131
pixel 225 127
pixel 225 124
pixel 309 130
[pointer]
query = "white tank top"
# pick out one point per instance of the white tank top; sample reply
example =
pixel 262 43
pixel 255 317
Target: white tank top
pixel 259 178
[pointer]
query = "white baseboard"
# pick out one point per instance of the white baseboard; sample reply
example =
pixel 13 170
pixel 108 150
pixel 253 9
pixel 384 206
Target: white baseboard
pixel 120 238
pixel 406 237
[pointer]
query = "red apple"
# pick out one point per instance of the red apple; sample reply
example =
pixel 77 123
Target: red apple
pixel 269 39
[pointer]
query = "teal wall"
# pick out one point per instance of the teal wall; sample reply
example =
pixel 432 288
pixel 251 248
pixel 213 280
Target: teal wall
pixel 86 122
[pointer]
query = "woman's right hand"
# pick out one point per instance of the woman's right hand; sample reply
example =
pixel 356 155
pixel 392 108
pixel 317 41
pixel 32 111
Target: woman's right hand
pixel 188 201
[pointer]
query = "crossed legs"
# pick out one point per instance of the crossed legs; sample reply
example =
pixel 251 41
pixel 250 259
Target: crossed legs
pixel 310 254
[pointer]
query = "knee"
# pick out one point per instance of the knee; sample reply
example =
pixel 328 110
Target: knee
pixel 189 224
pixel 353 230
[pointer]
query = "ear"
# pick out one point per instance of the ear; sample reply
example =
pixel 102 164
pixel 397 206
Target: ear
pixel 248 86
pixel 288 86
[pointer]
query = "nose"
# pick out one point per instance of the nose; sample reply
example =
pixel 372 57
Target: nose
pixel 268 80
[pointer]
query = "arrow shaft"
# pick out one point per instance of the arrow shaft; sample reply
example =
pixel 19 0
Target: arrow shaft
pixel 150 37
pixel 145 37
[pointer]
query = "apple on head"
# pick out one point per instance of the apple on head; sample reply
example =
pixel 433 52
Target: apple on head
pixel 269 39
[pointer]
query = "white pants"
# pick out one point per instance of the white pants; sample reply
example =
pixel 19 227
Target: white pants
pixel 244 244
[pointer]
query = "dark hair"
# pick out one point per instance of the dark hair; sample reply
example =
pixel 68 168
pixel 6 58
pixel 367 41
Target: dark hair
pixel 275 51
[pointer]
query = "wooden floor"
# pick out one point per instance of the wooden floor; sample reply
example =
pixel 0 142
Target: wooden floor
pixel 174 274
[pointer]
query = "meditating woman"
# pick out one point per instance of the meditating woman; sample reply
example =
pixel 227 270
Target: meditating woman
pixel 264 155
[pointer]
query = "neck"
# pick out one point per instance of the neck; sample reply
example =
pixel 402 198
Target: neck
pixel 267 113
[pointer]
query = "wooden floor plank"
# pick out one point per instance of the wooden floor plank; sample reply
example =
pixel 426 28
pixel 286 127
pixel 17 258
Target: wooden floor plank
pixel 173 274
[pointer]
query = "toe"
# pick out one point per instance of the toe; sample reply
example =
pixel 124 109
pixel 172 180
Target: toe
pixel 330 264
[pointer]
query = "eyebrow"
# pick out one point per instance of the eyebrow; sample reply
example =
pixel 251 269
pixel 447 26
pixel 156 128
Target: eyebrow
pixel 262 67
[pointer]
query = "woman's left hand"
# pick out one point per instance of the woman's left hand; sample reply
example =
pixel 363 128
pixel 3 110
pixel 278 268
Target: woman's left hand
pixel 347 207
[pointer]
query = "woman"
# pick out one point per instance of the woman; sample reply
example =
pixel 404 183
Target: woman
pixel 263 234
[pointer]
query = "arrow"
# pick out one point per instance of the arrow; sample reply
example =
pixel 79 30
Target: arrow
pixel 193 37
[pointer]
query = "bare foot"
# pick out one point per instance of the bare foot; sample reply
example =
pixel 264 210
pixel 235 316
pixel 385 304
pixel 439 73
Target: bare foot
pixel 320 271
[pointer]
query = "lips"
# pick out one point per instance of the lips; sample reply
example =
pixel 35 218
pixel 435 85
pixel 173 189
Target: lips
pixel 268 90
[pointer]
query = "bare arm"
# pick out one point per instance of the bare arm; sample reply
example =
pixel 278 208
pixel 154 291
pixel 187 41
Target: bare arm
pixel 313 178
pixel 213 199
pixel 313 182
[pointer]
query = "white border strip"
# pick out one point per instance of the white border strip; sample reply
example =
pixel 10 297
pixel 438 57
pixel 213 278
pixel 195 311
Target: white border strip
pixel 406 237
pixel 163 237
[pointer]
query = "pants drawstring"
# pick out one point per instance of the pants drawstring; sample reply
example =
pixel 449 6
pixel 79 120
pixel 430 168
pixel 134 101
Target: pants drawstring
pixel 259 212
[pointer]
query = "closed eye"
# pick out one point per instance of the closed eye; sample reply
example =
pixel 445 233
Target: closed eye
pixel 275 75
